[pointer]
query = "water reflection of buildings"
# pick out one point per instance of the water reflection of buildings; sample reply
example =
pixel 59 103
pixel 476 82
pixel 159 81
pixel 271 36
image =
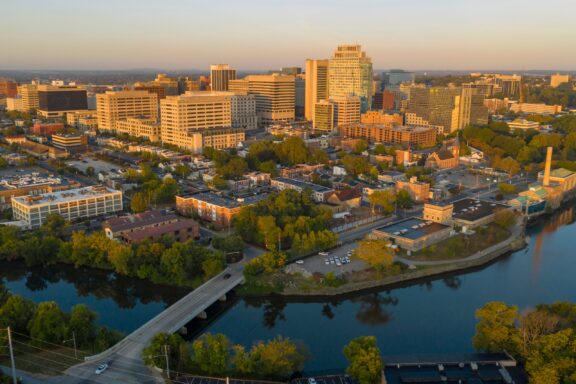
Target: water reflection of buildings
pixel 557 220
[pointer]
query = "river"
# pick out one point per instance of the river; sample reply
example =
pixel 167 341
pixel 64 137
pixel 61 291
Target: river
pixel 433 316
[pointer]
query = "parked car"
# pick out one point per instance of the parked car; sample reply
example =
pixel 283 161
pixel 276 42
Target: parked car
pixel 226 276
pixel 299 261
pixel 323 253
pixel 311 380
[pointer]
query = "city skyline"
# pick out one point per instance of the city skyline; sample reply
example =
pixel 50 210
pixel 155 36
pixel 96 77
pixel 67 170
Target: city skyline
pixel 445 35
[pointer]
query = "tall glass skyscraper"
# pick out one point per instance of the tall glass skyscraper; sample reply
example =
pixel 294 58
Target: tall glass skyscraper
pixel 350 73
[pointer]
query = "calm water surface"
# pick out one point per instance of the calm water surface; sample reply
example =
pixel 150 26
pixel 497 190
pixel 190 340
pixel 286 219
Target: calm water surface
pixel 436 316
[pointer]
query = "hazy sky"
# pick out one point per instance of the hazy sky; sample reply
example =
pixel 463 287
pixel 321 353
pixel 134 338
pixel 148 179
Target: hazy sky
pixel 266 34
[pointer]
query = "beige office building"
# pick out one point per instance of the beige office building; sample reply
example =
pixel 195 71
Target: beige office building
pixel 220 75
pixel 146 127
pixel 29 95
pixel 182 116
pixel 115 106
pixel 324 116
pixel 316 88
pixel 558 79
pixel 350 73
pixel 71 204
pixel 15 104
pixel 347 110
pixel 539 109
pixel 275 96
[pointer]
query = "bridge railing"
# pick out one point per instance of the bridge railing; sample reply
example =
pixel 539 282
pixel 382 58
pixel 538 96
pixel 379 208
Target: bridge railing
pixel 155 319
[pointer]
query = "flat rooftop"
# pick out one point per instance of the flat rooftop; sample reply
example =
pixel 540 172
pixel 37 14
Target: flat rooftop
pixel 304 184
pixel 223 201
pixel 472 210
pixel 65 196
pixel 412 228
pixel 29 180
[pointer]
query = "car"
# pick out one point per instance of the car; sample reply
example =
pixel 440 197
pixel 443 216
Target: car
pixel 331 261
pixel 338 263
pixel 226 276
pixel 312 380
pixel 299 261
pixel 101 368
pixel 323 253
pixel 327 262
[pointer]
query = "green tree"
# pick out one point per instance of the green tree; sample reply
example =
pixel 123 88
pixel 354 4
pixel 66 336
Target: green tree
pixel 278 358
pixel 16 312
pixel 182 170
pixel 403 199
pixel 505 218
pixel 506 189
pixel 384 199
pixel 90 171
pixel 211 353
pixel 83 323
pixel 553 359
pixel 496 329
pixel 364 360
pixel 140 202
pixel 376 253
pixel 3 162
pixel 48 323
pixel 154 354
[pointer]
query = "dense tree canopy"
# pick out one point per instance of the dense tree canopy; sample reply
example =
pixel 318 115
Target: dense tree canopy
pixel 364 360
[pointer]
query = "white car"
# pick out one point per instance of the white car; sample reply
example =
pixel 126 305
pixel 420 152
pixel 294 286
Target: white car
pixel 299 261
pixel 323 253
pixel 101 368
pixel 327 262
pixel 311 380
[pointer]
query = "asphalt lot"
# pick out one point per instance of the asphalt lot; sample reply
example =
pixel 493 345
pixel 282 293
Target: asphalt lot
pixel 98 165
pixel 317 264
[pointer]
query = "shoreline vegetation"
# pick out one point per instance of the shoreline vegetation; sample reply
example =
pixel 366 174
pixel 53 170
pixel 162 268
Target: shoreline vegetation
pixel 395 274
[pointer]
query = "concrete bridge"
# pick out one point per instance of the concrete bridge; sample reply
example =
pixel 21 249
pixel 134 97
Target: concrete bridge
pixel 128 352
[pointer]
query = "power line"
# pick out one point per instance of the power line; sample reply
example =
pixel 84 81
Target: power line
pixel 43 341
pixel 47 350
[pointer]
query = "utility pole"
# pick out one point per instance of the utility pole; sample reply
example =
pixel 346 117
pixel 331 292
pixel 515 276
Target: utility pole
pixel 73 340
pixel 12 356
pixel 167 360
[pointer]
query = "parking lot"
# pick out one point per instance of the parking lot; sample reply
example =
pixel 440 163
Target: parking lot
pixel 98 165
pixel 332 379
pixel 317 263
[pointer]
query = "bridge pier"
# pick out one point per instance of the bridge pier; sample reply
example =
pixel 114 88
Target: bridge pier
pixel 223 298
pixel 202 315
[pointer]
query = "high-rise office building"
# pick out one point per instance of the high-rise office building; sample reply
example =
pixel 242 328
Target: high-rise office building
pixel 183 116
pixel 510 85
pixel 316 88
pixel 397 76
pixel 169 84
pixel 56 101
pixel 29 95
pixel 290 71
pixel 435 106
pixel 350 73
pixel 300 95
pixel 275 96
pixel 451 108
pixel 8 88
pixel 220 75
pixel 115 106
pixel 324 116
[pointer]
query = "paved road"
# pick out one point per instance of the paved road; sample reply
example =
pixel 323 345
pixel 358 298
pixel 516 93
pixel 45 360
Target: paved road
pixel 127 366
